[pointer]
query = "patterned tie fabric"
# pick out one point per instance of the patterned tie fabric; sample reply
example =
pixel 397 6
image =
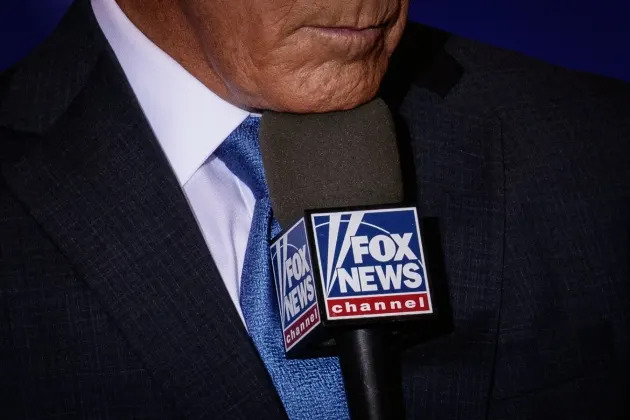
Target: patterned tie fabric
pixel 310 389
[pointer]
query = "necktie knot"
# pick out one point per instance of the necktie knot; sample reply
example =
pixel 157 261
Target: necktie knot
pixel 241 154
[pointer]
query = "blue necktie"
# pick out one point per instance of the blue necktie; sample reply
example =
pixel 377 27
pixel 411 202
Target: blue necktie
pixel 310 389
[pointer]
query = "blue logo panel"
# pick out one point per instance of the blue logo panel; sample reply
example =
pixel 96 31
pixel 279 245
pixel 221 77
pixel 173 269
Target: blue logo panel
pixel 295 284
pixel 371 263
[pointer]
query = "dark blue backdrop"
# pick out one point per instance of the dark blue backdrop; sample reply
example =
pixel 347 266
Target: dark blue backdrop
pixel 591 35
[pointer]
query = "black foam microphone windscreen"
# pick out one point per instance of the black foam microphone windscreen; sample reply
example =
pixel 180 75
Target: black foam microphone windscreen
pixel 335 159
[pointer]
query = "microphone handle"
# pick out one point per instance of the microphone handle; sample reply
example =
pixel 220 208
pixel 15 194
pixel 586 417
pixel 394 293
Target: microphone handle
pixel 371 373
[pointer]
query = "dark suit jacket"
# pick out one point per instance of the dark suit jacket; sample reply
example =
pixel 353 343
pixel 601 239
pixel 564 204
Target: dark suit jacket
pixel 111 306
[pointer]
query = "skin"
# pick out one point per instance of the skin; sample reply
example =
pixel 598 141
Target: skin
pixel 297 56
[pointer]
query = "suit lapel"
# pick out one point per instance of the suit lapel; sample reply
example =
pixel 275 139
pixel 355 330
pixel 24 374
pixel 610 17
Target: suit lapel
pixel 459 163
pixel 96 181
pixel 457 157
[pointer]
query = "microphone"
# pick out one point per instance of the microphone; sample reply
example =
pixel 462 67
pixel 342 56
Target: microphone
pixel 335 159
pixel 349 265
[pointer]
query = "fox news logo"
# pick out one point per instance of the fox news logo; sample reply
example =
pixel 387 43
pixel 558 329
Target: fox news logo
pixel 295 286
pixel 371 263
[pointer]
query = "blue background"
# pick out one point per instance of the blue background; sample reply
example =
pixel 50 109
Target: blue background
pixel 591 35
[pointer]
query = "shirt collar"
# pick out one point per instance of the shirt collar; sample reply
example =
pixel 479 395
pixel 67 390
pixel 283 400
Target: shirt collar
pixel 188 119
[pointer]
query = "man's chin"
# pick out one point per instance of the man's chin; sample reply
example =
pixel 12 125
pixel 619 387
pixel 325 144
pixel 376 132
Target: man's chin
pixel 315 107
pixel 331 95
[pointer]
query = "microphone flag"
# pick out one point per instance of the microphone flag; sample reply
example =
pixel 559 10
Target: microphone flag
pixel 341 267
pixel 295 285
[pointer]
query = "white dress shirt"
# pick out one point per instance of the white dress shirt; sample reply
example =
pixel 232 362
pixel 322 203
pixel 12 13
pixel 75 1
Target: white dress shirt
pixel 190 122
